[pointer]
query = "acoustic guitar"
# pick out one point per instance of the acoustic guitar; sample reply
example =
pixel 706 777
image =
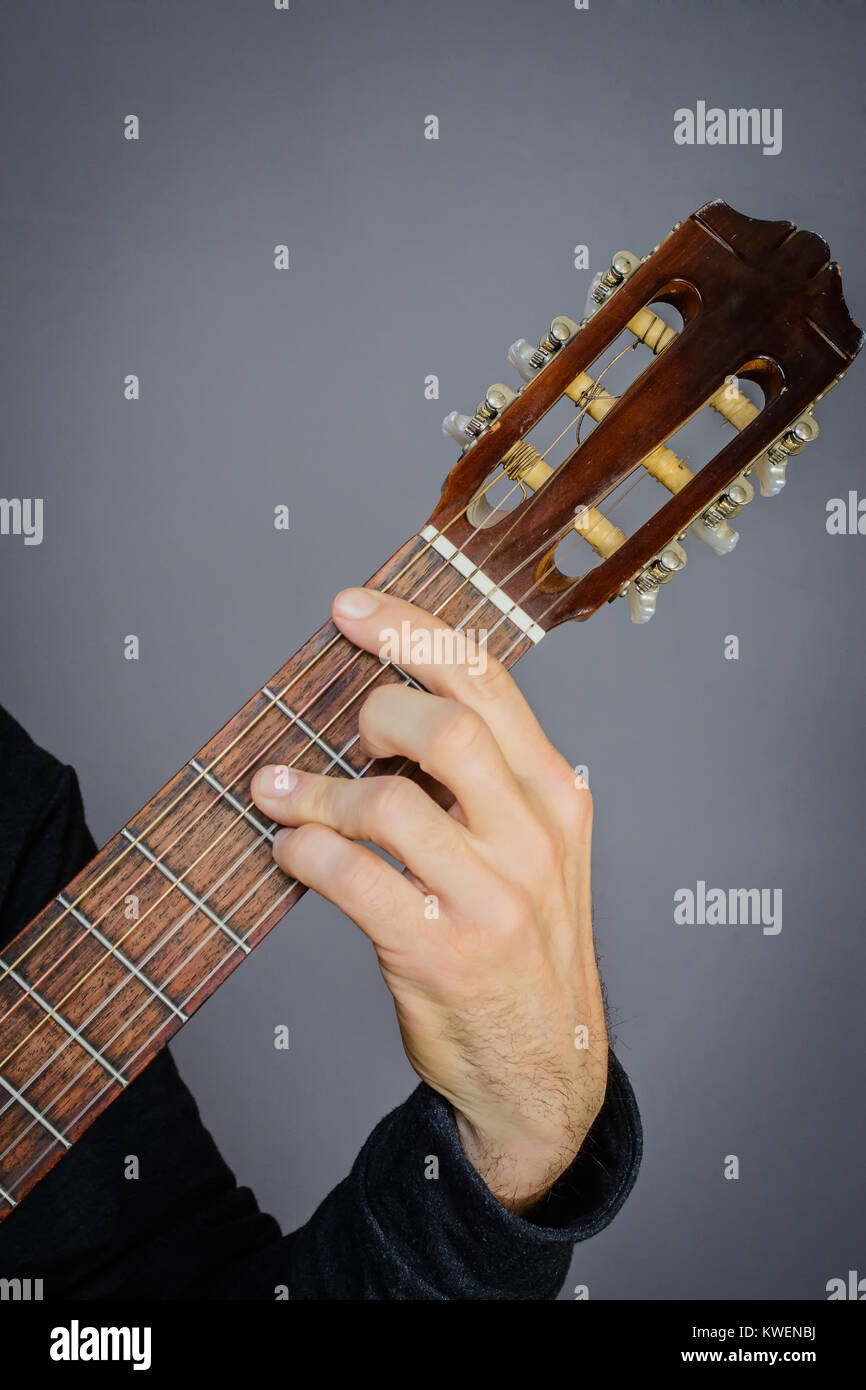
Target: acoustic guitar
pixel 114 965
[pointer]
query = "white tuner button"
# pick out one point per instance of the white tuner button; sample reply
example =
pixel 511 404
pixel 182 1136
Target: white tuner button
pixel 518 356
pixel 454 427
pixel 642 606
pixel 721 538
pixel 770 475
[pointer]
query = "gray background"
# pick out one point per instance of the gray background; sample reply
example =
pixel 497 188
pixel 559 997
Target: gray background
pixel 409 257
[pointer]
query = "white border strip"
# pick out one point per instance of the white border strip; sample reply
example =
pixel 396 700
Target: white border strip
pixel 482 583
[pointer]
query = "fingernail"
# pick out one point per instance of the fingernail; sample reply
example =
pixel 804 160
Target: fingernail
pixel 355 603
pixel 277 781
pixel 281 836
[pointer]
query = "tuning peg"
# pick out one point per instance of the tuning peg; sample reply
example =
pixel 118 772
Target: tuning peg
pixel 721 538
pixel 528 360
pixel 456 426
pixel 641 605
pixel 771 476
pixel 770 467
pixel 606 282
pixel 642 592
pixel 498 397
pixel 466 428
pixel 520 358
pixel 712 525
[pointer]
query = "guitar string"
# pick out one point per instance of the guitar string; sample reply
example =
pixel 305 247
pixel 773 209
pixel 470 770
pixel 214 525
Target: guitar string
pixel 355 655
pixel 359 653
pixel 182 964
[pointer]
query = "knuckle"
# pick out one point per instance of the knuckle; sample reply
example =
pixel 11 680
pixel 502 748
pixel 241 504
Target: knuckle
pixel 376 702
pixel 570 797
pixel 376 712
pixel 544 853
pixel 510 912
pixel 360 875
pixel 580 808
pixel 456 730
pixel 319 798
pixel 393 798
pixel 305 844
pixel 488 680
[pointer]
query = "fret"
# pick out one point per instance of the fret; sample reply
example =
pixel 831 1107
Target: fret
pixel 32 1110
pixel 206 861
pixel 407 680
pixel 267 832
pixel 7 1196
pixel 120 956
pixel 336 759
pixel 184 888
pixel 73 1032
pixel 48 1036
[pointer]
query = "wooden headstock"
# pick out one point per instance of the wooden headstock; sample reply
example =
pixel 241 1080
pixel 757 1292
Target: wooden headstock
pixel 760 301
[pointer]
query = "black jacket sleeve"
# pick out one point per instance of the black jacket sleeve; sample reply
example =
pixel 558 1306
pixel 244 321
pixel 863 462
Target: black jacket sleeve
pixel 413 1220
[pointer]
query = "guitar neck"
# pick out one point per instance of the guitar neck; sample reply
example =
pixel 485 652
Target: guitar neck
pixel 115 965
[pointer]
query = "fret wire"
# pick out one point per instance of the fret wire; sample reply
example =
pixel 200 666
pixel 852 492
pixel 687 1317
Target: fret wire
pixel 226 795
pixel 31 1109
pixel 313 736
pixel 177 882
pixel 124 960
pixel 68 1027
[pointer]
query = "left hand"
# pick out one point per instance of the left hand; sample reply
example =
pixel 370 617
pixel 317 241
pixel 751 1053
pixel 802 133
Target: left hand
pixel 485 941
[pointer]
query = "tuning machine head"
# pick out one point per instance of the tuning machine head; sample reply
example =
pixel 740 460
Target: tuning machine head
pixel 465 429
pixel 770 467
pixel 643 590
pixel 712 525
pixel 607 282
pixel 527 360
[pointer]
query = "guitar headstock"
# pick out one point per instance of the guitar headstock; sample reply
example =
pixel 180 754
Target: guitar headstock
pixel 760 302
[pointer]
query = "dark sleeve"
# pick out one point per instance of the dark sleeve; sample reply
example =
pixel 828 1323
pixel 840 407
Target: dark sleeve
pixel 413 1220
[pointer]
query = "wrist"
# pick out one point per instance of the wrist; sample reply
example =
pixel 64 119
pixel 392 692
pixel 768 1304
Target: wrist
pixel 519 1169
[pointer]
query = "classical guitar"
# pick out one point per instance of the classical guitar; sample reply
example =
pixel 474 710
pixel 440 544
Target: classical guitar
pixel 116 963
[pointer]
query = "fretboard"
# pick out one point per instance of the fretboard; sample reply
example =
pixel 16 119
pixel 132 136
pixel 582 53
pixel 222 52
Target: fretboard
pixel 114 965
